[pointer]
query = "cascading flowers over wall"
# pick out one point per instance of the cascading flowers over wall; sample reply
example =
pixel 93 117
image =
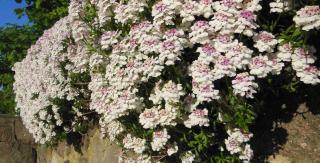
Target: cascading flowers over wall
pixel 170 80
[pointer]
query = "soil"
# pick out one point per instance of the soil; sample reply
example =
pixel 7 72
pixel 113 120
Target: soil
pixel 289 132
pixel 303 139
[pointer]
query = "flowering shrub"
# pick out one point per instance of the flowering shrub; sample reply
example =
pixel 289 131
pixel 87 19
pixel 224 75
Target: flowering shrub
pixel 169 79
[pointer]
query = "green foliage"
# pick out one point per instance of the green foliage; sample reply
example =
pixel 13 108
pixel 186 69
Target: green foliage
pixel 43 13
pixel 15 40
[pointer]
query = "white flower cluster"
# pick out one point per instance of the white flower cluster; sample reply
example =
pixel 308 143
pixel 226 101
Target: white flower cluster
pixel 197 117
pixel 172 150
pixel 160 63
pixel 129 11
pixel 187 157
pixel 160 139
pixel 38 79
pixel 137 144
pixel 170 93
pixel 237 143
pixel 302 61
pixel 244 85
pixel 279 6
pixel 265 42
pixel 260 66
pixel 308 18
pixel 113 129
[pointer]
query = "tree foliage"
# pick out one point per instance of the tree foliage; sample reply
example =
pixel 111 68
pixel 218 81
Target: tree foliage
pixel 43 13
pixel 15 40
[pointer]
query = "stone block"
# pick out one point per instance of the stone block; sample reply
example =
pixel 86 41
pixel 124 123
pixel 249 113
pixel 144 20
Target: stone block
pixel 6 134
pixel 21 133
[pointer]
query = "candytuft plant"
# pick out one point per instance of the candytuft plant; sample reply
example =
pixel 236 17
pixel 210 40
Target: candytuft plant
pixel 171 80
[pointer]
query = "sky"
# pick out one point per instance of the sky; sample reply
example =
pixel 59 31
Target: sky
pixel 7 14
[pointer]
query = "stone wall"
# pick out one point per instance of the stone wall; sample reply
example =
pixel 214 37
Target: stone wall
pixel 93 149
pixel 16 144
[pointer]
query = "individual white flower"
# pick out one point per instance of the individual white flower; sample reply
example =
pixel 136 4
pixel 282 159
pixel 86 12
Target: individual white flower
pixel 200 71
pixel 260 66
pixel 149 118
pixel 159 140
pixel 151 67
pixel 265 42
pixel 245 23
pixel 207 53
pixel 226 6
pixel 175 34
pixel 137 159
pixel 95 60
pixel 167 116
pixel 308 18
pixel 240 55
pixel 244 85
pixel 205 91
pixel 198 117
pixel 187 157
pixel 310 75
pixel 279 6
pixel 171 92
pixel 223 42
pixel 189 10
pixel 276 66
pixel 224 66
pixel 200 32
pixel 149 44
pixel 141 29
pixel 172 150
pixel 144 159
pixel 284 52
pixel 302 58
pixel 252 5
pixel 247 154
pixel 155 96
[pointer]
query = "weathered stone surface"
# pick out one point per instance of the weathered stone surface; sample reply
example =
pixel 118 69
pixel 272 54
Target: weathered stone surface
pixel 6 119
pixel 61 149
pixel 43 154
pixel 6 134
pixel 93 150
pixel 15 145
pixel 21 133
pixel 5 152
pixel 279 159
pixel 83 160
pixel 106 152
